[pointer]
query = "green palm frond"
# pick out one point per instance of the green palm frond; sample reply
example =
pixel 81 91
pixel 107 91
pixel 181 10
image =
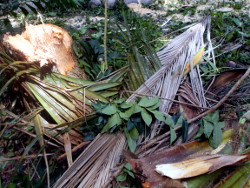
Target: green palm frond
pixel 140 66
pixel 65 99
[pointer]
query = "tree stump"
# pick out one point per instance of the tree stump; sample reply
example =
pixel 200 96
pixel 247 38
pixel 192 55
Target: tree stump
pixel 44 44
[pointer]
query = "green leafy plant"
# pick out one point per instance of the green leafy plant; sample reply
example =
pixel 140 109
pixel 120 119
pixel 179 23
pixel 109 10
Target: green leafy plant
pixel 234 29
pixel 173 123
pixel 127 177
pixel 208 70
pixel 237 5
pixel 211 128
pixel 131 117
pixel 12 6
pixel 134 118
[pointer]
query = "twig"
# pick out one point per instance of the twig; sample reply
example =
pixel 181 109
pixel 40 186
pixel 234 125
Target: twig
pixel 213 100
pixel 215 107
pixel 80 147
pixel 34 136
pixel 26 157
pixel 47 167
pixel 4 129
pixel 153 141
pixel 24 122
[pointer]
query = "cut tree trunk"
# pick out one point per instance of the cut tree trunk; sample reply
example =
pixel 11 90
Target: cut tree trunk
pixel 44 44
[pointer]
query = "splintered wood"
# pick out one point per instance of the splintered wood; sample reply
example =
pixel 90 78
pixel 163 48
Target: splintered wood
pixel 46 44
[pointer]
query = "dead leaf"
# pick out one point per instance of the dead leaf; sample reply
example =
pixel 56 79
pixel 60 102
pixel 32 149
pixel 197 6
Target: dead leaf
pixel 199 165
pixel 145 167
pixel 227 77
pixel 67 147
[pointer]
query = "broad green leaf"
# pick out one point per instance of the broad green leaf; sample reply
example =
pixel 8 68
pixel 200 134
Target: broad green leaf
pixel 127 105
pixel 155 106
pixel 208 128
pixel 147 118
pixel 127 114
pixel 137 109
pixel 134 133
pixel 169 121
pixel 209 117
pixel 99 105
pixel 128 166
pixel 109 110
pixel 130 125
pixel 123 115
pixel 119 101
pixel 180 120
pixel 130 173
pixel 172 135
pixel 220 124
pixel 114 120
pixel 215 116
pixel 200 132
pixel 158 115
pixel 184 132
pixel 146 102
pixel 131 142
pixel 237 22
pixel 216 138
pixel 121 177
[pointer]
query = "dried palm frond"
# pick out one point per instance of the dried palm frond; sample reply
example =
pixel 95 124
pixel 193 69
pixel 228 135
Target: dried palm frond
pixel 174 57
pixel 92 167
